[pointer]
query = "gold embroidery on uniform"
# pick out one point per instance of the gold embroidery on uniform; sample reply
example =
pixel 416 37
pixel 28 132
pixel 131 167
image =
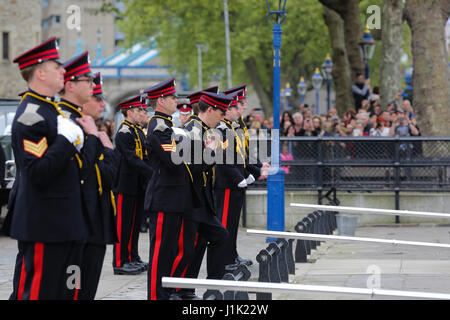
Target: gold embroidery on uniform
pixel 36 149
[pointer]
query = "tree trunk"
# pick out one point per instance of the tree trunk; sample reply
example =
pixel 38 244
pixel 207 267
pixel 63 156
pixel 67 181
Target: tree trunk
pixel 349 12
pixel 431 82
pixel 391 50
pixel 341 67
pixel 264 97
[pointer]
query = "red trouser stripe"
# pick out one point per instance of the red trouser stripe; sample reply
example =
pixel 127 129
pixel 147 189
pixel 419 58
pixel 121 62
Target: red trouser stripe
pixel 131 235
pixel 23 276
pixel 119 229
pixel 38 262
pixel 154 273
pixel 226 203
pixel 180 251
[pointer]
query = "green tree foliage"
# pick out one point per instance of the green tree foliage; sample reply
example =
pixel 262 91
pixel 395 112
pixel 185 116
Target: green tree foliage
pixel 178 26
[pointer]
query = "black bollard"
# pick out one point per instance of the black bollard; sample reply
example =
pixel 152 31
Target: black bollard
pixel 274 270
pixel 290 256
pixel 241 273
pixel 306 223
pixel 313 243
pixel 263 258
pixel 300 250
pixel 212 295
pixel 282 260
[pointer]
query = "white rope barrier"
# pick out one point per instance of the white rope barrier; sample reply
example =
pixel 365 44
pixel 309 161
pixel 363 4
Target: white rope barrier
pixel 323 237
pixel 371 210
pixel 292 288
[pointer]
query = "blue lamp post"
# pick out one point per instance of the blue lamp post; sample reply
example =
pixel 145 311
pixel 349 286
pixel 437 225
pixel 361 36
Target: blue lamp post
pixel 301 88
pixel 275 180
pixel 317 84
pixel 327 68
pixel 367 47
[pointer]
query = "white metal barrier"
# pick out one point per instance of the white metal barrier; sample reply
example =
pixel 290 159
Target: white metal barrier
pixel 292 288
pixel 371 210
pixel 323 237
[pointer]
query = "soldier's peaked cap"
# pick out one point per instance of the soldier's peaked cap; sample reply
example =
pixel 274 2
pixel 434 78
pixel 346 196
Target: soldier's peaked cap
pixel 98 90
pixel 47 50
pixel 132 103
pixel 77 66
pixel 236 96
pixel 166 88
pixel 216 100
pixel 238 88
pixel 184 108
pixel 195 97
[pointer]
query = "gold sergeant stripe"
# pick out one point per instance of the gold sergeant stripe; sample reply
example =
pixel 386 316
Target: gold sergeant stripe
pixel 170 147
pixel 36 149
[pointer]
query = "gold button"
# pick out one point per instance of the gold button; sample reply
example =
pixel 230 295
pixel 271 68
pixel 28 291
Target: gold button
pixel 82 181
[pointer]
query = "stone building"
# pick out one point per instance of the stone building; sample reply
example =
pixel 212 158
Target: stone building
pixel 78 26
pixel 20 30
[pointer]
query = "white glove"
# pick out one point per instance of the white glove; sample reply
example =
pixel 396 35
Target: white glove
pixel 242 184
pixel 72 132
pixel 250 179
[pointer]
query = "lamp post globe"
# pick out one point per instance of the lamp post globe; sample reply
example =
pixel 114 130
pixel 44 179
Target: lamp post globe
pixel 301 88
pixel 327 68
pixel 367 48
pixel 317 84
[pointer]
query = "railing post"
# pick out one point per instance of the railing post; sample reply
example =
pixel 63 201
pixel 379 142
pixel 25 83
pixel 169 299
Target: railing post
pixel 397 175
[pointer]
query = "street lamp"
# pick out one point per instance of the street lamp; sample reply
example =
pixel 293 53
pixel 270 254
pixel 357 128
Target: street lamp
pixel 301 88
pixel 367 47
pixel 287 94
pixel 99 58
pixel 327 68
pixel 317 84
pixel 275 180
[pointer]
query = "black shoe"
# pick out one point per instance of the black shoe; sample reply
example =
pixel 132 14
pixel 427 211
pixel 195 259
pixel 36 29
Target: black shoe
pixel 127 269
pixel 141 264
pixel 174 296
pixel 246 262
pixel 231 267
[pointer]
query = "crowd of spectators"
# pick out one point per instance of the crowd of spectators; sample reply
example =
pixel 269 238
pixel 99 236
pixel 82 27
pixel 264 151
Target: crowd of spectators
pixel 366 118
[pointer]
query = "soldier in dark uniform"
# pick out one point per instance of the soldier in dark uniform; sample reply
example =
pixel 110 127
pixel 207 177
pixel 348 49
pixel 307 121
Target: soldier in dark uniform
pixel 194 99
pixel 185 110
pixel 254 168
pixel 169 193
pixel 202 223
pixel 46 214
pixel 98 198
pixel 230 182
pixel 133 165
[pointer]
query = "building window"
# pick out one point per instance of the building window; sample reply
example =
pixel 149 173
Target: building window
pixel 56 19
pixel 5 45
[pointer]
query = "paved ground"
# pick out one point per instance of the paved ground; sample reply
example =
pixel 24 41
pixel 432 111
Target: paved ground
pixel 332 264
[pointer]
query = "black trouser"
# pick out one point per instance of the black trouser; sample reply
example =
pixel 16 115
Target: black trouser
pixel 211 233
pixel 138 218
pixel 91 269
pixel 164 234
pixel 229 204
pixel 128 221
pixel 47 271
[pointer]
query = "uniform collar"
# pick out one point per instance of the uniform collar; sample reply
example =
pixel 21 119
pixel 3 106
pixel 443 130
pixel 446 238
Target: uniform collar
pixel 71 104
pixel 162 114
pixel 49 99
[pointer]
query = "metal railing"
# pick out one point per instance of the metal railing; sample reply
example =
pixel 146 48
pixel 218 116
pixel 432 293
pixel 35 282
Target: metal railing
pixel 365 163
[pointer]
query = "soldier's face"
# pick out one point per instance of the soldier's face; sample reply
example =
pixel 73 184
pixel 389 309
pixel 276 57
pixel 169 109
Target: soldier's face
pixel 232 114
pixel 94 107
pixel 170 104
pixel 242 104
pixel 184 117
pixel 53 75
pixel 83 88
